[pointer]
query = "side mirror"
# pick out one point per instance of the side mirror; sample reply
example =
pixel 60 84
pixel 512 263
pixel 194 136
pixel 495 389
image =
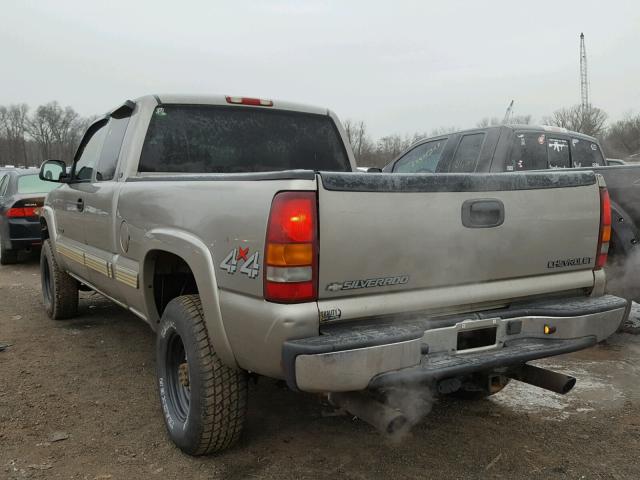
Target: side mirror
pixel 54 171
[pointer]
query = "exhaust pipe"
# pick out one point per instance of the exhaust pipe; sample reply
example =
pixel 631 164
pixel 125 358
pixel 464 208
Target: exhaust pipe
pixel 382 417
pixel 543 378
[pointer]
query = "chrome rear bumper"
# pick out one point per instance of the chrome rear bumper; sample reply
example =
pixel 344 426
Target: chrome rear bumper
pixel 379 354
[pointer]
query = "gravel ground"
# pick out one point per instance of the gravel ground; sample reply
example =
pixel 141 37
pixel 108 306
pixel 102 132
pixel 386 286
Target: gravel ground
pixel 78 400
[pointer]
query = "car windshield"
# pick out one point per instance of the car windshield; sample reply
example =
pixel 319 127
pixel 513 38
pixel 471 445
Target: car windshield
pixel 215 139
pixel 33 184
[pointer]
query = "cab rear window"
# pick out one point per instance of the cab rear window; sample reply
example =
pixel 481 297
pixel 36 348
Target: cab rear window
pixel 585 153
pixel 217 139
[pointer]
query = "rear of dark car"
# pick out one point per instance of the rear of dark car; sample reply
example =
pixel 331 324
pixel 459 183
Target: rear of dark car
pixel 22 194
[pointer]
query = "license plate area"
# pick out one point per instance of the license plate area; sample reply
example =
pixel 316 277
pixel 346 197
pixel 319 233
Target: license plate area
pixel 476 338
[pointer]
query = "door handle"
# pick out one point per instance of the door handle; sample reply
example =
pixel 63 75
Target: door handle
pixel 80 205
pixel 482 213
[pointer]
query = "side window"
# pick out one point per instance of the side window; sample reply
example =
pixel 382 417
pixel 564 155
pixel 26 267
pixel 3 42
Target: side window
pixel 467 153
pixel 108 162
pixel 89 151
pixel 528 152
pixel 558 153
pixel 422 159
pixel 585 153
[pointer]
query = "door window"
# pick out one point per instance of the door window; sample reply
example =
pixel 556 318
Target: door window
pixel 422 159
pixel 558 153
pixel 467 154
pixel 89 152
pixel 116 129
pixel 585 153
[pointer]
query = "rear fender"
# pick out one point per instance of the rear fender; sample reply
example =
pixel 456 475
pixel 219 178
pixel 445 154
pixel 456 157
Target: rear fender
pixel 199 259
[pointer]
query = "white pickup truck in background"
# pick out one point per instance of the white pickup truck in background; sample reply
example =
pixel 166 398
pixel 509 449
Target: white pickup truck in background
pixel 238 229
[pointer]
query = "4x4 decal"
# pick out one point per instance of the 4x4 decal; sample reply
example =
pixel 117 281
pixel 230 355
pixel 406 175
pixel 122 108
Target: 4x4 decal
pixel 239 258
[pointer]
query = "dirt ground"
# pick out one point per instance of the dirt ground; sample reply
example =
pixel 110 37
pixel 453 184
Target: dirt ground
pixel 89 384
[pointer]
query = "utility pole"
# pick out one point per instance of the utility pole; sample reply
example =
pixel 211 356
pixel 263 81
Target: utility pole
pixel 584 78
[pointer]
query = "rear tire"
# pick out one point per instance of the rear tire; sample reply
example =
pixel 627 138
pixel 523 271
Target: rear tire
pixel 203 401
pixel 59 289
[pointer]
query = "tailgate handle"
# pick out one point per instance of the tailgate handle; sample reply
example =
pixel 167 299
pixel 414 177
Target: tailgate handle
pixel 482 213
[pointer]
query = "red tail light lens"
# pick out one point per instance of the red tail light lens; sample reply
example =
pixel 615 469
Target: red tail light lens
pixel 22 212
pixel 605 229
pixel 291 249
pixel 257 102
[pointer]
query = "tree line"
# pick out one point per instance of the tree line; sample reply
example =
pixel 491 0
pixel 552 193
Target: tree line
pixel 620 139
pixel 28 137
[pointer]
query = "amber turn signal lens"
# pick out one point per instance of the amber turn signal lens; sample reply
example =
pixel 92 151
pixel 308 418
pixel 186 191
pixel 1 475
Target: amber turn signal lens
pixel 289 254
pixel 548 330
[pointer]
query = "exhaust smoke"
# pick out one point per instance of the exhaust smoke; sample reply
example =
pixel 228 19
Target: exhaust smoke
pixel 393 413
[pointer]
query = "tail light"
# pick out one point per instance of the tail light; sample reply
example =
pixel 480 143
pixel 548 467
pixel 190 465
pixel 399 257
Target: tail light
pixel 257 102
pixel 291 249
pixel 23 212
pixel 605 229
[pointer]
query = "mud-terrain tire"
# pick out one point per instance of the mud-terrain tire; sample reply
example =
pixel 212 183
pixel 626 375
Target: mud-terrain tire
pixel 204 404
pixel 7 256
pixel 59 289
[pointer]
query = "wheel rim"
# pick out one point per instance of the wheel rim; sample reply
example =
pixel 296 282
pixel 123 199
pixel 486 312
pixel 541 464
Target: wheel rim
pixel 46 281
pixel 178 379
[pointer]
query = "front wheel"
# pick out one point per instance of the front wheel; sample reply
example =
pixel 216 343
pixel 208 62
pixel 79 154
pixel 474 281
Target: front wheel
pixel 59 289
pixel 203 401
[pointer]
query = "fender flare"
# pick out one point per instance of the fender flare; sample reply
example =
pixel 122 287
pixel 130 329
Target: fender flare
pixel 198 257
pixel 47 216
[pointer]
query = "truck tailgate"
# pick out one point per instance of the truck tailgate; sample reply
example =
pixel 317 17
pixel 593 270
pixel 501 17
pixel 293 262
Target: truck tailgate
pixel 382 233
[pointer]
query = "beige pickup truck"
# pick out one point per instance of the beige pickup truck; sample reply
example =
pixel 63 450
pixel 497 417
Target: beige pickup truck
pixel 239 230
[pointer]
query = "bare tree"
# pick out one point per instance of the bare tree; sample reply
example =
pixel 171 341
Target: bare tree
pixel 623 137
pixel 357 135
pixel 514 120
pixel 55 130
pixel 436 132
pixel 590 121
pixel 520 120
pixel 12 132
pixel 488 122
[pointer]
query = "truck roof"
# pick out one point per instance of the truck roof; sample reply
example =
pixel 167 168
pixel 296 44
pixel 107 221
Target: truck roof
pixel 192 99
pixel 533 128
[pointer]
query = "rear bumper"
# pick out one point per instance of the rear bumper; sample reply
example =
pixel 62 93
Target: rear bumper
pixel 419 350
pixel 23 233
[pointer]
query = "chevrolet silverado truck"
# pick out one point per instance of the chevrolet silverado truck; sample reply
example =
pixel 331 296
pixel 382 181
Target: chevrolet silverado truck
pixel 239 230
pixel 518 148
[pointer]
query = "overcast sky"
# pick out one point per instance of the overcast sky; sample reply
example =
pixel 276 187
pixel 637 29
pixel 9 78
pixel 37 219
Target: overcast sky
pixel 400 66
